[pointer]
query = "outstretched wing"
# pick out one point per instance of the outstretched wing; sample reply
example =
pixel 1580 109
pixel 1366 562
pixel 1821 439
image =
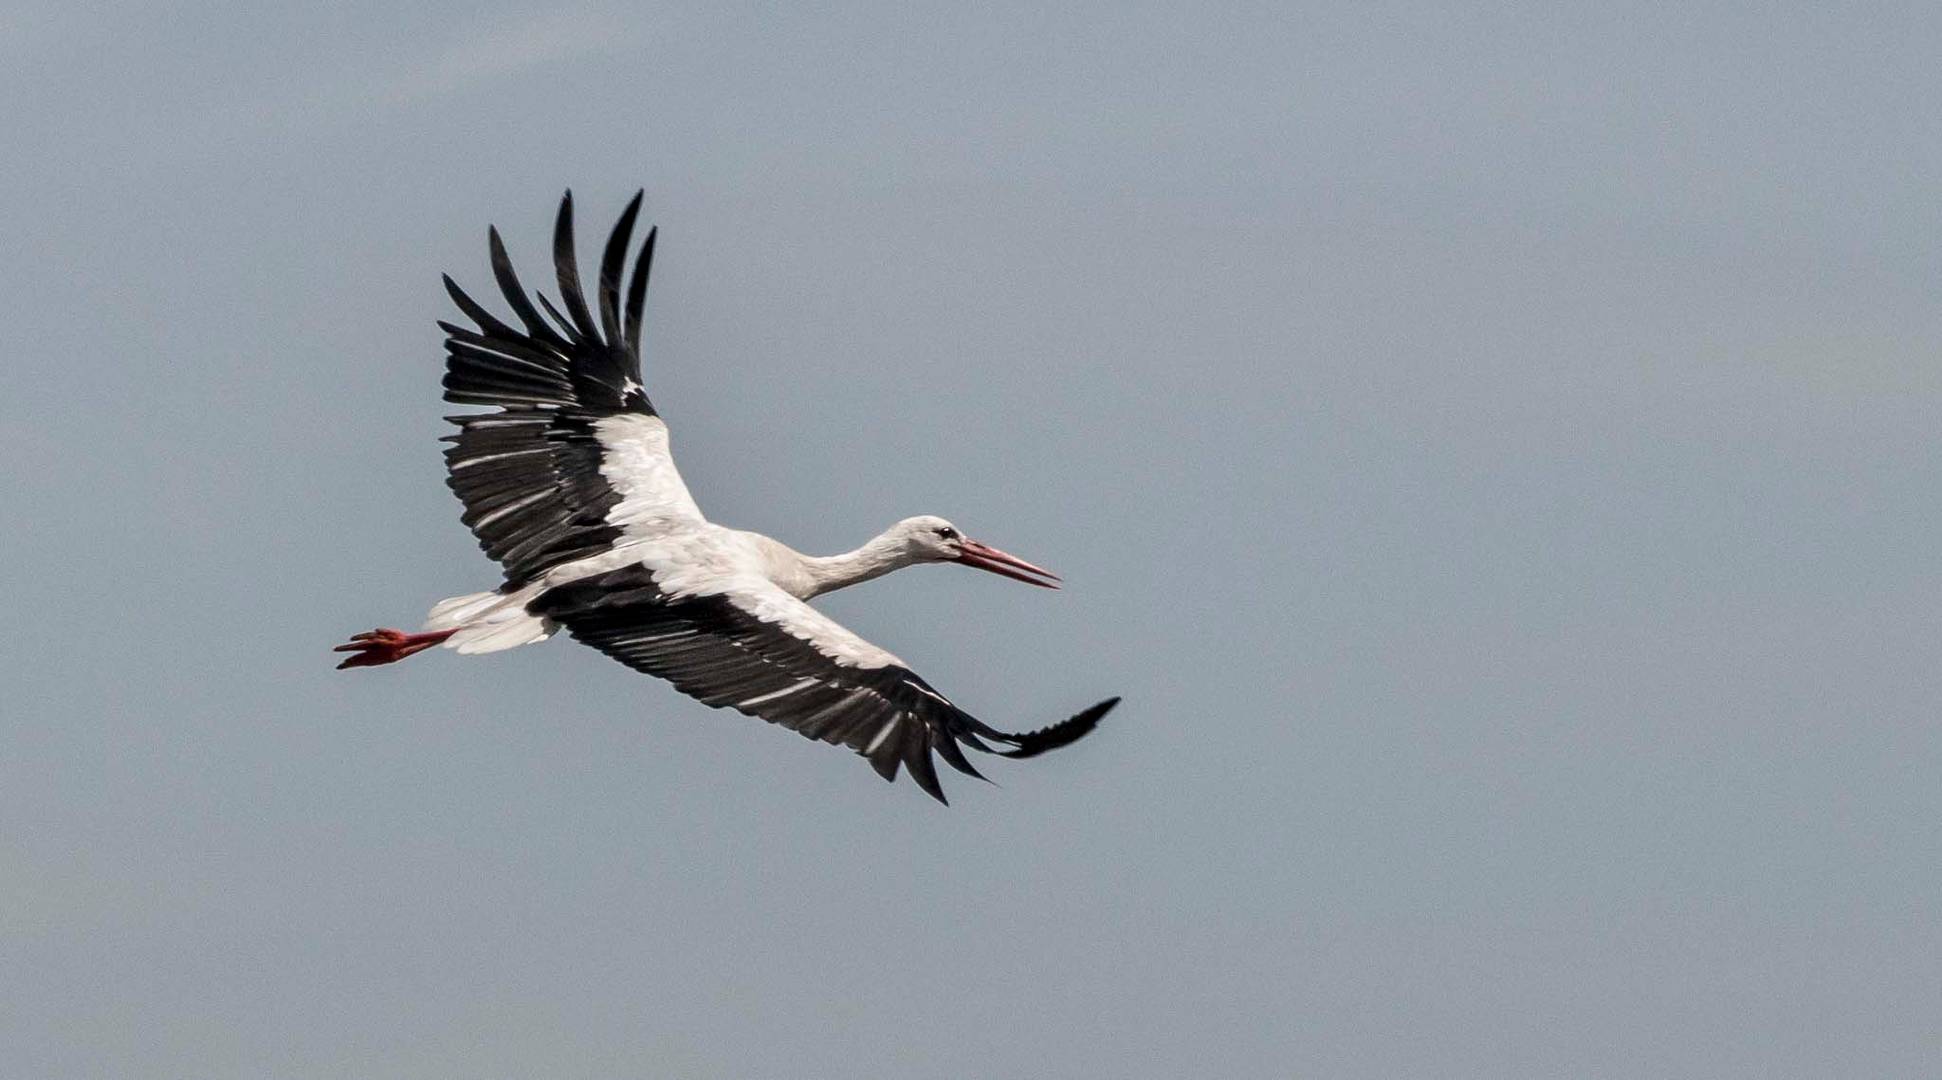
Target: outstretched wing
pixel 760 651
pixel 574 458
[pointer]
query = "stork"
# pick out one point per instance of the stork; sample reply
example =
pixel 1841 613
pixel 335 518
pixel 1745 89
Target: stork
pixel 569 485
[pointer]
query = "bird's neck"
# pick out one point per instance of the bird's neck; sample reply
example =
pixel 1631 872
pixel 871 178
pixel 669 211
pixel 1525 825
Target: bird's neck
pixel 827 573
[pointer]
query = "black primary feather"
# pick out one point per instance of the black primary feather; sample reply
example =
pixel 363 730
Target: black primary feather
pixel 637 291
pixel 612 262
pixel 528 472
pixel 566 268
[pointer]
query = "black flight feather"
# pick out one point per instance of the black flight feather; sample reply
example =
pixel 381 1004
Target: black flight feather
pixel 637 291
pixel 566 267
pixel 612 262
pixel 1063 733
pixel 515 293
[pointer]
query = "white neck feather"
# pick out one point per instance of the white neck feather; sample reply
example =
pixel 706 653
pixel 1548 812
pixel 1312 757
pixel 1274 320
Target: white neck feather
pixel 881 555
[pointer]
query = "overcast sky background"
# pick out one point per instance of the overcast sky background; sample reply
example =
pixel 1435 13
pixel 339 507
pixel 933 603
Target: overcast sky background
pixel 1493 451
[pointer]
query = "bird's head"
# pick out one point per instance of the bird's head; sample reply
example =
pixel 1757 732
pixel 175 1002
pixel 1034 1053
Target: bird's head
pixel 928 538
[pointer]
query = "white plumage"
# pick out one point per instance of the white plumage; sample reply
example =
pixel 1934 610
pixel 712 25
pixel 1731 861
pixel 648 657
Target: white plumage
pixel 571 486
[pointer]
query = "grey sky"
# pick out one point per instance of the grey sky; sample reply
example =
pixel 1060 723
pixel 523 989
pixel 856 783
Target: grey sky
pixel 1492 449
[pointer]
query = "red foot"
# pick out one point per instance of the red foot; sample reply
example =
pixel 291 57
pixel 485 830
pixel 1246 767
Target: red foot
pixel 383 646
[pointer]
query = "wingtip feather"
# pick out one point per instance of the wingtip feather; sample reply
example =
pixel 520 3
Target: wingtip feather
pixel 515 293
pixel 613 261
pixel 917 761
pixel 1064 733
pixel 566 268
pixel 637 290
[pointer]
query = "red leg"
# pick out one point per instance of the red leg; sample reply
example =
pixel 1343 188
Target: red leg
pixel 382 646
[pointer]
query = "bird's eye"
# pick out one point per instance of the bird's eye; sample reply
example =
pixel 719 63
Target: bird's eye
pixel 946 533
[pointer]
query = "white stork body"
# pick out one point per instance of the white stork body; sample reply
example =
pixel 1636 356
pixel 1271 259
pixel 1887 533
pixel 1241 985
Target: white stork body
pixel 690 560
pixel 571 486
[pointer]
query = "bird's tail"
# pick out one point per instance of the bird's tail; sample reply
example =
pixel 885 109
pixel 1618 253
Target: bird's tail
pixel 459 610
pixel 489 621
pixel 473 623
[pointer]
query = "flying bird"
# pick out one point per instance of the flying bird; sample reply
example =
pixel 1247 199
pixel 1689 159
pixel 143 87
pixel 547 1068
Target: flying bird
pixel 569 485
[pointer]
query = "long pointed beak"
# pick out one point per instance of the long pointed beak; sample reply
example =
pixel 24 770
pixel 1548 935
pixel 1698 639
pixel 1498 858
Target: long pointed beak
pixel 986 557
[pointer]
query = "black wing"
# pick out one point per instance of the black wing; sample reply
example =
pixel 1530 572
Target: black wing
pixel 781 669
pixel 529 473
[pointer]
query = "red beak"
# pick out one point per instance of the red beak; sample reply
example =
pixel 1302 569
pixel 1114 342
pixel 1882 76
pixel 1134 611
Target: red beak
pixel 985 557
